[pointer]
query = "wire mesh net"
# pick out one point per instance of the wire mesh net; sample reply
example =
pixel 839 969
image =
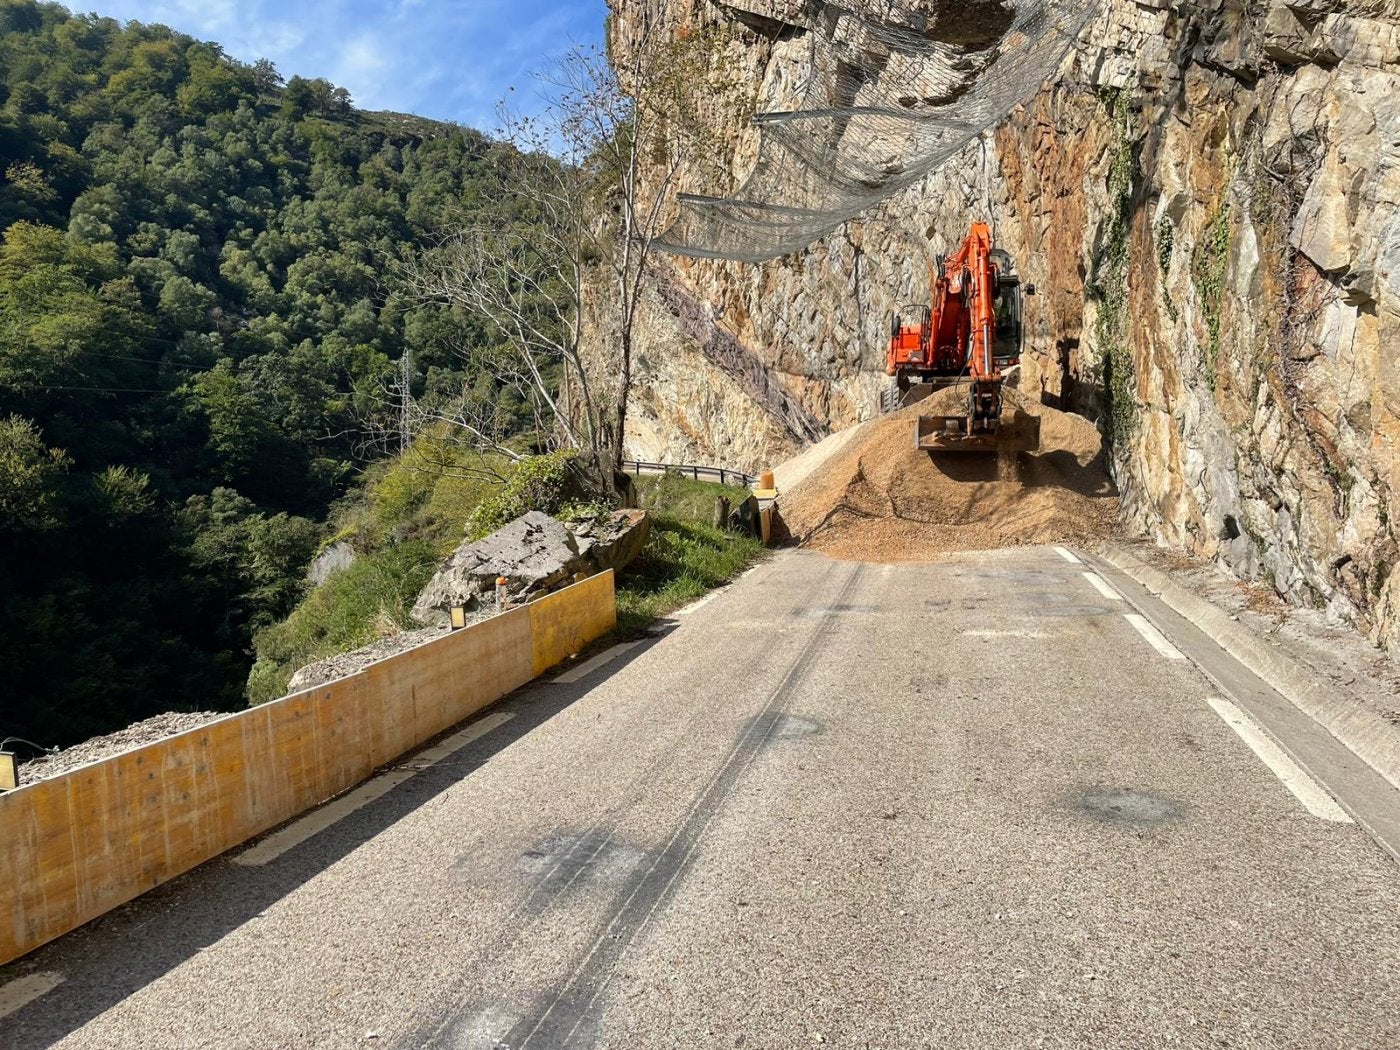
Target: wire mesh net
pixel 893 90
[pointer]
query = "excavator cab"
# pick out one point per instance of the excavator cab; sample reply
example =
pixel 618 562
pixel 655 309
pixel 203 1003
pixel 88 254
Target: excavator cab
pixel 1008 307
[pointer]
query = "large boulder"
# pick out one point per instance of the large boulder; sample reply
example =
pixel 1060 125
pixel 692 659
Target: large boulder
pixel 615 541
pixel 536 554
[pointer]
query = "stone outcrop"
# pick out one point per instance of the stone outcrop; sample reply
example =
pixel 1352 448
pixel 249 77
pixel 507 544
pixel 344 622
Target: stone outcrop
pixel 1209 202
pixel 336 558
pixel 536 554
pixel 613 542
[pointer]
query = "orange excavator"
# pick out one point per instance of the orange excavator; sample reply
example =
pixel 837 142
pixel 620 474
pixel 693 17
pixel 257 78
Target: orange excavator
pixel 970 332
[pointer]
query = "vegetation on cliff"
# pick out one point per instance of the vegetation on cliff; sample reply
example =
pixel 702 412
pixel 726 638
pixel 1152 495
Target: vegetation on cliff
pixel 408 519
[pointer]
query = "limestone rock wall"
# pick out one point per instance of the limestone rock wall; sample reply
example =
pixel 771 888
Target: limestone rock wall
pixel 1208 202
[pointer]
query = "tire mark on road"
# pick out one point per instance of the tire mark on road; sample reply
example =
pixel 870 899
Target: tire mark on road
pixel 560 1019
pixel 587 845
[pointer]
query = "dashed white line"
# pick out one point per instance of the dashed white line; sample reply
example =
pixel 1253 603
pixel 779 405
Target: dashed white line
pixel 1004 634
pixel 1155 637
pixel 1290 774
pixel 20 993
pixel 1102 587
pixel 1067 555
pixel 314 823
pixel 589 666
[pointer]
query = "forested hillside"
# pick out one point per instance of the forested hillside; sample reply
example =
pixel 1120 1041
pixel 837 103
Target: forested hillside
pixel 199 326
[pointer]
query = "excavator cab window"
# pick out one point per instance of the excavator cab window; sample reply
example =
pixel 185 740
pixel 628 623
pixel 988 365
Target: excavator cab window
pixel 1007 308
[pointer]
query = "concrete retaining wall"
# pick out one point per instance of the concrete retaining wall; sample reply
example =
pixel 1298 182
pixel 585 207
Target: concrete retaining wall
pixel 76 846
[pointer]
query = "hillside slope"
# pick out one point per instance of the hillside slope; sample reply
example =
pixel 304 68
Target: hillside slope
pixel 200 331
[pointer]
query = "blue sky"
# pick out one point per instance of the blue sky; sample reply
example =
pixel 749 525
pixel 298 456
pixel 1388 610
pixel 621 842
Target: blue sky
pixel 448 59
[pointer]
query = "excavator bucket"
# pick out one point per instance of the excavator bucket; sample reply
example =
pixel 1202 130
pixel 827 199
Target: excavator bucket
pixel 1019 432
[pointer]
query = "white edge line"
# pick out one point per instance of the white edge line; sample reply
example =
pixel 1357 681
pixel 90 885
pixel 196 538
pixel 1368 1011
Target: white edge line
pixel 573 674
pixel 333 812
pixel 699 603
pixel 1102 587
pixel 454 743
pixel 1154 637
pixel 1304 788
pixel 1067 555
pixel 19 993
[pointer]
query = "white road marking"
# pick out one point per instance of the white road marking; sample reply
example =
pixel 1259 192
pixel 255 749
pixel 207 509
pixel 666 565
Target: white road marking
pixel 319 820
pixel 1102 587
pixel 1067 555
pixel 454 743
pixel 1304 788
pixel 1004 634
pixel 1154 637
pixel 20 993
pixel 589 666
pixel 698 604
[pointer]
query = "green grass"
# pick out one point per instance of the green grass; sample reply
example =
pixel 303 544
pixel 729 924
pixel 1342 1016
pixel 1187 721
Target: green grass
pixel 406 499
pixel 682 498
pixel 368 600
pixel 407 520
pixel 686 557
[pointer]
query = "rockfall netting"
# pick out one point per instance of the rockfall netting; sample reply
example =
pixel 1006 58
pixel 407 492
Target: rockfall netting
pixel 893 91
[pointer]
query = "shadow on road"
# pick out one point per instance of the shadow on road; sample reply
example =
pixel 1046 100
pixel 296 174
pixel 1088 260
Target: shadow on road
pixel 120 953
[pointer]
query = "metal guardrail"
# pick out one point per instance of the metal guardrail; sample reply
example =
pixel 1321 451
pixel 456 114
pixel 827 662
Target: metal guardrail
pixel 723 475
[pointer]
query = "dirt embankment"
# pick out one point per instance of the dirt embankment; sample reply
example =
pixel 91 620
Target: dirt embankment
pixel 880 499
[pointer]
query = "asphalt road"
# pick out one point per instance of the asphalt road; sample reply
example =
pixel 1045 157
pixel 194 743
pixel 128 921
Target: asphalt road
pixel 964 804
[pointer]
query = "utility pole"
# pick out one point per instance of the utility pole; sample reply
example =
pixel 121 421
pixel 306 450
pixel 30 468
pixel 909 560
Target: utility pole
pixel 405 400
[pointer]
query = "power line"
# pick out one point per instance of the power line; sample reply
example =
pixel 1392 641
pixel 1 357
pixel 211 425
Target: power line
pixel 140 360
pixel 107 389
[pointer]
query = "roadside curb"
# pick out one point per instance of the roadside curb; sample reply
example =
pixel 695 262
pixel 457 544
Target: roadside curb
pixel 1366 734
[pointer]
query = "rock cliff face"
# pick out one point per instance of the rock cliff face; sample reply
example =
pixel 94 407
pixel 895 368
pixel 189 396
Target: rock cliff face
pixel 1208 201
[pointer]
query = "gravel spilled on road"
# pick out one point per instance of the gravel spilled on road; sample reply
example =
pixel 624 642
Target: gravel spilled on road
pixel 879 499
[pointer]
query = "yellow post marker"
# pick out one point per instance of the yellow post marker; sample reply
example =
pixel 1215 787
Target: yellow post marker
pixel 459 617
pixel 9 771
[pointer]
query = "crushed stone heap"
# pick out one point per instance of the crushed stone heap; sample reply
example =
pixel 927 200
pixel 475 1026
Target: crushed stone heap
pixel 879 499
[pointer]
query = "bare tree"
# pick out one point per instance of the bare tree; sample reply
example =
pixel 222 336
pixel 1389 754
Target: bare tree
pixel 527 279
pixel 587 188
pixel 620 131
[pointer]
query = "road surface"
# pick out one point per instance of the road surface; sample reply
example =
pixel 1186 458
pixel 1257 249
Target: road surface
pixel 977 803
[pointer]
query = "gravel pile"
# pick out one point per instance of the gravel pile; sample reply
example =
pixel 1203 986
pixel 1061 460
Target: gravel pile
pixel 879 499
pixel 99 747
pixel 173 723
pixel 345 664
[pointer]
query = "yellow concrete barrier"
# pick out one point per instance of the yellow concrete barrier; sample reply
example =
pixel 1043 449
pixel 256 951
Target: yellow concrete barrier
pixel 566 621
pixel 81 844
